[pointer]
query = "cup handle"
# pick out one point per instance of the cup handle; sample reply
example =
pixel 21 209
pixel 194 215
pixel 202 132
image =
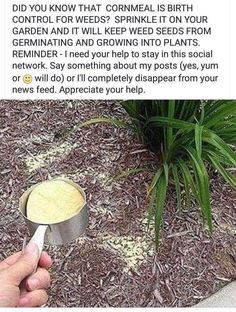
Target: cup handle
pixel 38 237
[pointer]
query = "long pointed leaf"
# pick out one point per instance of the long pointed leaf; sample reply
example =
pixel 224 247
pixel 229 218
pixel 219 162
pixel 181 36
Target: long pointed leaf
pixel 169 130
pixel 198 139
pixel 177 185
pixel 203 182
pixel 155 180
pixel 220 113
pixel 111 121
pixel 226 175
pixel 216 141
pixel 129 172
pixel 169 122
pixel 190 184
pixel 160 202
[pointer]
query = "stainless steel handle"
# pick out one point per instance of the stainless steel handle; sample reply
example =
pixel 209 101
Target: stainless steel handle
pixel 38 237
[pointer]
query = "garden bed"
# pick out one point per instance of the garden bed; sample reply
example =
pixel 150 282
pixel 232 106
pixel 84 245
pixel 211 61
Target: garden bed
pixel 115 263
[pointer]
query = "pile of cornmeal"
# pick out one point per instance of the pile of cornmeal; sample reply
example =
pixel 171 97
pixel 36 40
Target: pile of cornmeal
pixel 54 201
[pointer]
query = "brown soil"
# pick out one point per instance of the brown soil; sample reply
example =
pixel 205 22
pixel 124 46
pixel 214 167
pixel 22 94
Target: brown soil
pixel 115 263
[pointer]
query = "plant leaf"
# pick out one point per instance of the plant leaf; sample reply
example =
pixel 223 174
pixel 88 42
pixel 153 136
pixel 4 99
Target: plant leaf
pixel 198 139
pixel 154 180
pixel 221 112
pixel 169 122
pixel 111 121
pixel 226 175
pixel 161 188
pixel 177 185
pixel 129 172
pixel 203 183
pixel 169 130
pixel 216 141
pixel 189 183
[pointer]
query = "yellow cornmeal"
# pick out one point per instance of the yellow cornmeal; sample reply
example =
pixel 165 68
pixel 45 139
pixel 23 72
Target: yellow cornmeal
pixel 53 201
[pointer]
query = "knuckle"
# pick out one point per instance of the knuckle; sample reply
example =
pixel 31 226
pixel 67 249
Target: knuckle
pixel 47 279
pixel 38 298
pixel 44 277
pixel 43 280
pixel 44 297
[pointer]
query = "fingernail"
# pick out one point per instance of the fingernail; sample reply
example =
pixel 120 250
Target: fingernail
pixel 32 249
pixel 33 283
pixel 24 301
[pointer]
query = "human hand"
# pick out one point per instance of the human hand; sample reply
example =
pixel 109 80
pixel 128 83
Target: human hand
pixel 20 285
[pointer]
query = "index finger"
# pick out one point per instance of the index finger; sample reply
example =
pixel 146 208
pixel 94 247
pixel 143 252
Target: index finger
pixel 6 263
pixel 45 260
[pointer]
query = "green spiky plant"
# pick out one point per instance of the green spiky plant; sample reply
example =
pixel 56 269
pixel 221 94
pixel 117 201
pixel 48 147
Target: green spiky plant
pixel 191 137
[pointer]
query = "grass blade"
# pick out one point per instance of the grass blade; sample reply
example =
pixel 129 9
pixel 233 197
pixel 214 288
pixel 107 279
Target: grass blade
pixel 198 139
pixel 189 183
pixel 111 121
pixel 169 122
pixel 225 174
pixel 217 142
pixel 129 172
pixel 203 183
pixel 169 130
pixel 155 180
pixel 177 185
pixel 161 188
pixel 221 112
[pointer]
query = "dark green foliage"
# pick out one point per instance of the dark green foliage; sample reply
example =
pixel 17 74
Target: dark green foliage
pixel 190 135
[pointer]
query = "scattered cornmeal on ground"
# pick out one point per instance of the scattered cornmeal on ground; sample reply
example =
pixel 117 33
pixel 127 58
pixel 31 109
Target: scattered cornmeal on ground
pixel 41 160
pixel 134 250
pixel 53 201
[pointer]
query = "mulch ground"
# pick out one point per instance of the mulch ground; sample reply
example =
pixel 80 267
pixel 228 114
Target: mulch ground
pixel 115 263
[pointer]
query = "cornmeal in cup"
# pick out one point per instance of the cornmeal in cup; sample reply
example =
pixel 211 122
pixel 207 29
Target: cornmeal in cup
pixel 54 201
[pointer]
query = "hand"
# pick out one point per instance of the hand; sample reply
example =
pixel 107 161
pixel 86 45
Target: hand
pixel 20 285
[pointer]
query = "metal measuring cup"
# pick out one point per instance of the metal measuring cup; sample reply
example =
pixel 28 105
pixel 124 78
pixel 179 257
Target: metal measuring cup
pixel 55 233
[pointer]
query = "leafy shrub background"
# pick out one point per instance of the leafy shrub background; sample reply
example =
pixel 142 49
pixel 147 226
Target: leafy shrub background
pixel 191 137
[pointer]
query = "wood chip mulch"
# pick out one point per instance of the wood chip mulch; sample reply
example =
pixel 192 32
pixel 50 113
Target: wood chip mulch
pixel 91 272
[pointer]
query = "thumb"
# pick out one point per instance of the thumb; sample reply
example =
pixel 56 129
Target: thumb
pixel 25 264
